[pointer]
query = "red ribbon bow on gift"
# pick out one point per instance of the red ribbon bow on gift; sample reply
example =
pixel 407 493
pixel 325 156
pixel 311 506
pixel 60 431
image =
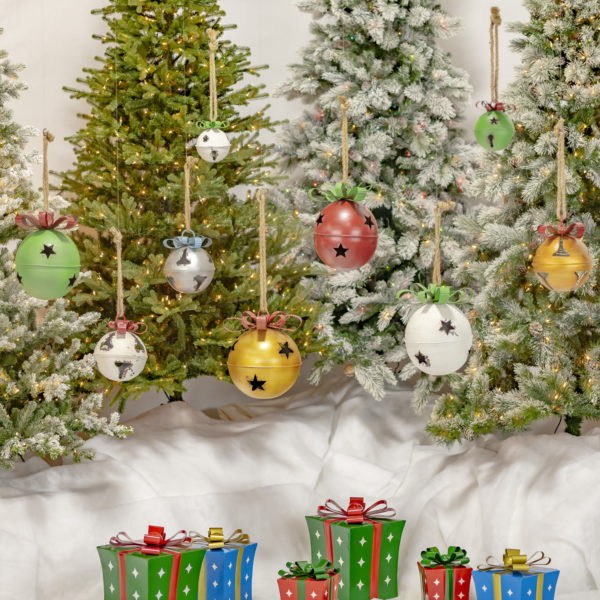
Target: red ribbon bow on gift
pixel 356 511
pixel 154 541
pixel 264 320
pixel 121 324
pixel 574 230
pixel 45 220
pixel 491 106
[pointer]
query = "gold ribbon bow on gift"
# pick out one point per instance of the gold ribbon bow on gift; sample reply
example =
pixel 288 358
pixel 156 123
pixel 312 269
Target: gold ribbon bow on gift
pixel 513 560
pixel 216 538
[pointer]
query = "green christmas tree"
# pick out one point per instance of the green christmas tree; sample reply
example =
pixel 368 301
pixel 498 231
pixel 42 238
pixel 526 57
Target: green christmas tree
pixel 146 99
pixel 43 407
pixel 405 98
pixel 536 352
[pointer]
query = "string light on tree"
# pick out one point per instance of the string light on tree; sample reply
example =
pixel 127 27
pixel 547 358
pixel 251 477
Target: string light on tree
pixel 120 354
pixel 47 261
pixel 438 335
pixel 264 362
pixel 345 232
pixel 494 130
pixel 562 262
pixel 213 144
pixel 188 268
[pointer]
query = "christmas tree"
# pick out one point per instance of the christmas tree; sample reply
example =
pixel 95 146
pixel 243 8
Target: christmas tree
pixel 43 409
pixel 404 100
pixel 536 352
pixel 146 99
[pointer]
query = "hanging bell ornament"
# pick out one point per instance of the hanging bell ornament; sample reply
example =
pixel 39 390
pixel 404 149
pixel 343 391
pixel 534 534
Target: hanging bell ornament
pixel 120 355
pixel 189 269
pixel 562 262
pixel 494 130
pixel 212 144
pixel 264 362
pixel 47 261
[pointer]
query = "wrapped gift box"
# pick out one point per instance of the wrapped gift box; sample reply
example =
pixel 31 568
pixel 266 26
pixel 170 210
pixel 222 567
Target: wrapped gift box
pixel 303 581
pixel 228 565
pixel 445 576
pixel 155 567
pixel 517 579
pixel 363 543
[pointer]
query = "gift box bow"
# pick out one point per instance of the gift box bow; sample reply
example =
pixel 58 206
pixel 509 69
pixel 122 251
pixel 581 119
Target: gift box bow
pixel 435 294
pixel 45 220
pixel 574 230
pixel 342 191
pixel 216 538
pixel 264 320
pixel 455 557
pixel 513 560
pixel 357 511
pixel 187 239
pixel 154 541
pixel 305 570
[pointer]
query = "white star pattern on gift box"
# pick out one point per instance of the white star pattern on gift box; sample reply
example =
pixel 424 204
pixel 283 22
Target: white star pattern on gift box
pixel 461 596
pixel 230 565
pixel 246 595
pixel 313 595
pixel 510 592
pixel 390 537
pixel 388 557
pixel 215 584
pixel 436 596
pixel 188 568
pixel 339 540
pixel 110 565
pixel 360 585
pixel 288 593
pixel 247 560
pixel 484 587
pixel 111 587
pixel 319 555
pixel 161 572
pixel 317 534
pixel 246 577
pixel 436 582
pixel 341 583
pixel 549 587
pixel 229 582
pixel 361 562
pixel 158 595
pixel 214 566
pixel 135 595
pixel 387 580
pixel 529 592
pixel 362 541
pixel 135 572
pixel 186 590
pixel 341 561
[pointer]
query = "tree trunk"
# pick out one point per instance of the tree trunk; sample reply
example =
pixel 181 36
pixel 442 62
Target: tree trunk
pixel 175 397
pixel 573 425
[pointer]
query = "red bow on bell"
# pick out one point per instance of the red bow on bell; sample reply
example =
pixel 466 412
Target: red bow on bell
pixel 574 230
pixel 357 511
pixel 121 324
pixel 45 220
pixel 154 541
pixel 266 320
pixel 491 106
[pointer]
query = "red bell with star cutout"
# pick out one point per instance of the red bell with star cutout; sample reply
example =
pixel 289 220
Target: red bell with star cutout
pixel 345 233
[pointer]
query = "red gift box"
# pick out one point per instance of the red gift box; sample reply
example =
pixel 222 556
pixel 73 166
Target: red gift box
pixel 309 589
pixel 445 582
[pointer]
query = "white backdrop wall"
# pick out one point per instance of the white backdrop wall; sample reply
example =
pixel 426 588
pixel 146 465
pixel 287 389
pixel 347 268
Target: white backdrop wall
pixel 53 39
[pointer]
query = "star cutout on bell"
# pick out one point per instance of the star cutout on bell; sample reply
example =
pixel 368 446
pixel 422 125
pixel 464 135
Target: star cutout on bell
pixel 72 281
pixel 320 219
pixel 423 360
pixel 19 278
pixel 448 327
pixel 369 222
pixel 285 349
pixel 494 121
pixel 48 250
pixel 256 383
pixel 340 250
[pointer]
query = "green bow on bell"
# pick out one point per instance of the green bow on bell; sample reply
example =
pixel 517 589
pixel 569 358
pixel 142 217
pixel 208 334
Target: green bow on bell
pixel 302 569
pixel 213 124
pixel 342 191
pixel 456 556
pixel 435 294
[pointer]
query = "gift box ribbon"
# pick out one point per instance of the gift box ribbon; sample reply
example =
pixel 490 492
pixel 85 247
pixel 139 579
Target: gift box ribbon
pixel 45 220
pixel 191 240
pixel 574 230
pixel 154 543
pixel 121 325
pixel 358 512
pixel 454 557
pixel 302 569
pixel 264 320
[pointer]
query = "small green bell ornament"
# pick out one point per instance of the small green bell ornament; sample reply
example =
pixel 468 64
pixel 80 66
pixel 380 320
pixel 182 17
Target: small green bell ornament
pixel 494 130
pixel 47 260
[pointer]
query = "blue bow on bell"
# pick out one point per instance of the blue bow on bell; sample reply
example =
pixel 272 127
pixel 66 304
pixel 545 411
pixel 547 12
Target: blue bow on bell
pixel 187 241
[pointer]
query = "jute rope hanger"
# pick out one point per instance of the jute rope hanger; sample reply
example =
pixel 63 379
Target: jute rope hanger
pixel 344 105
pixel 262 249
pixel 213 45
pixel 440 207
pixel 190 161
pixel 118 239
pixel 48 137
pixel 495 22
pixel 561 172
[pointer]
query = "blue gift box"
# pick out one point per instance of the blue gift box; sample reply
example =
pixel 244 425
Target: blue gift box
pixel 539 583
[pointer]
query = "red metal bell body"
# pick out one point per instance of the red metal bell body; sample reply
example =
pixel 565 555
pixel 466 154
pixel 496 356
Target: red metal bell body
pixel 345 235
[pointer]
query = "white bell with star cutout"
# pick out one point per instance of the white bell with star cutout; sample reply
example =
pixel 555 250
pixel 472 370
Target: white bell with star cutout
pixel 213 145
pixel 438 338
pixel 120 356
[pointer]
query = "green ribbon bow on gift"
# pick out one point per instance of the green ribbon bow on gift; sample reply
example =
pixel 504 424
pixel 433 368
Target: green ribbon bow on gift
pixel 342 191
pixel 455 557
pixel 213 124
pixel 302 569
pixel 435 294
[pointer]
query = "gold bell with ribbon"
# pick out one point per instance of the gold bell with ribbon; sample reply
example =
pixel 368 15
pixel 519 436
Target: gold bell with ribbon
pixel 228 563
pixel 517 577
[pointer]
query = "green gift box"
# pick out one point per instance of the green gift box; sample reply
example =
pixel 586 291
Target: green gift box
pixel 363 543
pixel 156 567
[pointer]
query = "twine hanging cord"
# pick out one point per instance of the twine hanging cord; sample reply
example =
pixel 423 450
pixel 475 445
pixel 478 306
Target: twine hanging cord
pixel 345 141
pixel 118 239
pixel 213 45
pixel 437 257
pixel 190 161
pixel 561 172
pixel 48 137
pixel 495 22
pixel 262 250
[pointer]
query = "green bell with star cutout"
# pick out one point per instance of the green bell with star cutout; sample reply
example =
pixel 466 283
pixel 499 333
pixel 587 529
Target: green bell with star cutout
pixel 47 264
pixel 494 130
